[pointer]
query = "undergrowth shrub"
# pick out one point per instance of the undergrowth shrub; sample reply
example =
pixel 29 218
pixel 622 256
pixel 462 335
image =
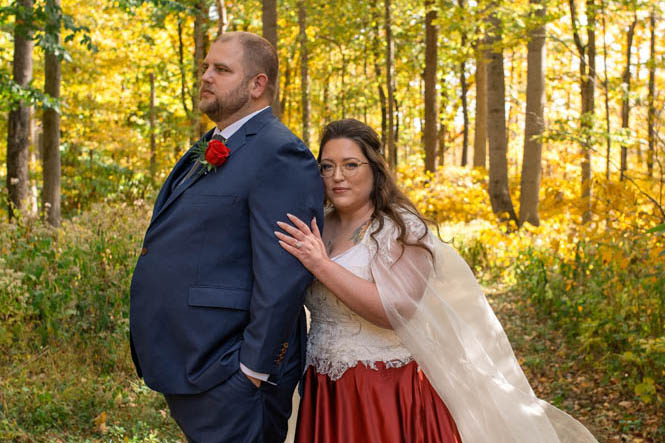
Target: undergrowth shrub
pixel 609 296
pixel 55 283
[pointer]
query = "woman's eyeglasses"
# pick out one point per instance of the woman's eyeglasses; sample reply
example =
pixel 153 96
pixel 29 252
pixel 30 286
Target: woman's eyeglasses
pixel 349 168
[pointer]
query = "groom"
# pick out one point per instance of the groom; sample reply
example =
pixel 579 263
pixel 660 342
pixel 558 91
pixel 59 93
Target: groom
pixel 217 321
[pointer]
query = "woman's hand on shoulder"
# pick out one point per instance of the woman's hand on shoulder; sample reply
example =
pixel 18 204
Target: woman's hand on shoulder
pixel 303 242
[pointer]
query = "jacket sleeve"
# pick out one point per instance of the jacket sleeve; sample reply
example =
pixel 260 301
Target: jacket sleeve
pixel 288 182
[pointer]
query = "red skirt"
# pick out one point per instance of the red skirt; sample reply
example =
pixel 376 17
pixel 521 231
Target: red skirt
pixel 388 405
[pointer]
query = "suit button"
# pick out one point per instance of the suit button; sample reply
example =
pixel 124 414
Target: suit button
pixel 144 251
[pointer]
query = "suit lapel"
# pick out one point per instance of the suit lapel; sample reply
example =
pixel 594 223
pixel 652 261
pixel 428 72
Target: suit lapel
pixel 179 170
pixel 235 143
pixel 168 193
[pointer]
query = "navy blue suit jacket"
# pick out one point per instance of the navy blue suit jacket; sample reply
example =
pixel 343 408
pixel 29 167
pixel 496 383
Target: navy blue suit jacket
pixel 212 286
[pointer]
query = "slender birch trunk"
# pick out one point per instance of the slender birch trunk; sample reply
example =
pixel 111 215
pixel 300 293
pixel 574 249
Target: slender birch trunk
pixel 625 98
pixel 391 145
pixel 480 130
pixel 304 71
pixel 431 113
pixel 651 113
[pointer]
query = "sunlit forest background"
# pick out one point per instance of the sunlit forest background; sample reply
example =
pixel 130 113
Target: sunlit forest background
pixel 532 132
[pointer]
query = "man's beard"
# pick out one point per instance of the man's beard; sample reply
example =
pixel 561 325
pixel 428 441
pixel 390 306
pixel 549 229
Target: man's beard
pixel 218 109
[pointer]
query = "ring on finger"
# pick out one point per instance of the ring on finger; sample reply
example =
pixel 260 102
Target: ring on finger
pixel 298 244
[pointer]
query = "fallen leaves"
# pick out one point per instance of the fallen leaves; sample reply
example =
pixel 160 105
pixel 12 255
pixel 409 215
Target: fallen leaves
pixel 100 422
pixel 559 374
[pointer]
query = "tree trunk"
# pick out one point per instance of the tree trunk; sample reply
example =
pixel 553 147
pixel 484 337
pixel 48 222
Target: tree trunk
pixel 377 68
pixel 465 108
pixel 443 130
pixel 502 204
pixel 443 127
pixel 51 125
pixel 365 73
pixel 183 90
pixel 181 63
pixel 465 111
pixel 587 57
pixel 341 98
pixel 651 113
pixel 269 18
pixel 625 99
pixel 638 146
pixel 200 50
pixel 392 147
pixel 304 73
pixel 431 113
pixel 18 125
pixel 384 114
pixel 606 87
pixel 222 17
pixel 480 132
pixel 396 126
pixel 153 144
pixel 326 93
pixel 589 108
pixel 284 99
pixel 534 124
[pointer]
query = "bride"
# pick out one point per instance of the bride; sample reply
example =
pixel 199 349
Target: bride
pixel 403 346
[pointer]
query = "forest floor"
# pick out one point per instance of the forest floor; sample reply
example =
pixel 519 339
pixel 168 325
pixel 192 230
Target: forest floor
pixel 559 374
pixel 58 394
pixel 83 388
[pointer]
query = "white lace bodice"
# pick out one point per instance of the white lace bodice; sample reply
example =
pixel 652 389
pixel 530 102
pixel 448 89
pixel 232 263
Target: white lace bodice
pixel 338 337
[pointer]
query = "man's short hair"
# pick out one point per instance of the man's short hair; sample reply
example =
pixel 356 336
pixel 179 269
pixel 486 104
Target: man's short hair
pixel 259 56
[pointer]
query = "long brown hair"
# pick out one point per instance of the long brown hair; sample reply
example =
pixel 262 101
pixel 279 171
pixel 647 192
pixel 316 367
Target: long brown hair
pixel 389 201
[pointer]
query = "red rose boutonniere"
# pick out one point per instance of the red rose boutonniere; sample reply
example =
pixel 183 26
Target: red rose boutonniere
pixel 211 155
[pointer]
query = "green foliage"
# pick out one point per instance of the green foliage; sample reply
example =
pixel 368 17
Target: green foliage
pixel 610 299
pixel 657 229
pixel 91 176
pixel 11 93
pixel 71 281
pixel 62 394
pixel 43 25
pixel 66 369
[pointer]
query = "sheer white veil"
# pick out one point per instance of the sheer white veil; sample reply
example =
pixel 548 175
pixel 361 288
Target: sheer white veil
pixel 441 315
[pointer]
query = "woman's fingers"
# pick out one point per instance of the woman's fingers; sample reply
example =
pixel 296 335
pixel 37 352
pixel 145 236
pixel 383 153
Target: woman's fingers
pixel 285 238
pixel 315 228
pixel 288 248
pixel 292 242
pixel 299 223
pixel 295 232
pixel 304 244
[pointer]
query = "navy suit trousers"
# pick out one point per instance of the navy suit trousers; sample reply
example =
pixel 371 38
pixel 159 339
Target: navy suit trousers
pixel 236 411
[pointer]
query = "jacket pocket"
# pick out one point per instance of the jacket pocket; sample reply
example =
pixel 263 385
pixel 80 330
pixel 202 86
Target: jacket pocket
pixel 211 297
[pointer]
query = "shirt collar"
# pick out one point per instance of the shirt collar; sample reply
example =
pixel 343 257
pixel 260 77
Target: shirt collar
pixel 233 127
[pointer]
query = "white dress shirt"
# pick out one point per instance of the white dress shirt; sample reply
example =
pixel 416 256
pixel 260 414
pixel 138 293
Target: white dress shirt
pixel 233 127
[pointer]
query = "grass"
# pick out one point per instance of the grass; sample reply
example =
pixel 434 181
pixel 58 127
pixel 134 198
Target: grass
pixel 63 393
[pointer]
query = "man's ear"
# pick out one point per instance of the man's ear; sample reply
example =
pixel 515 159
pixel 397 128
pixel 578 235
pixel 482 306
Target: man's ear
pixel 257 85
